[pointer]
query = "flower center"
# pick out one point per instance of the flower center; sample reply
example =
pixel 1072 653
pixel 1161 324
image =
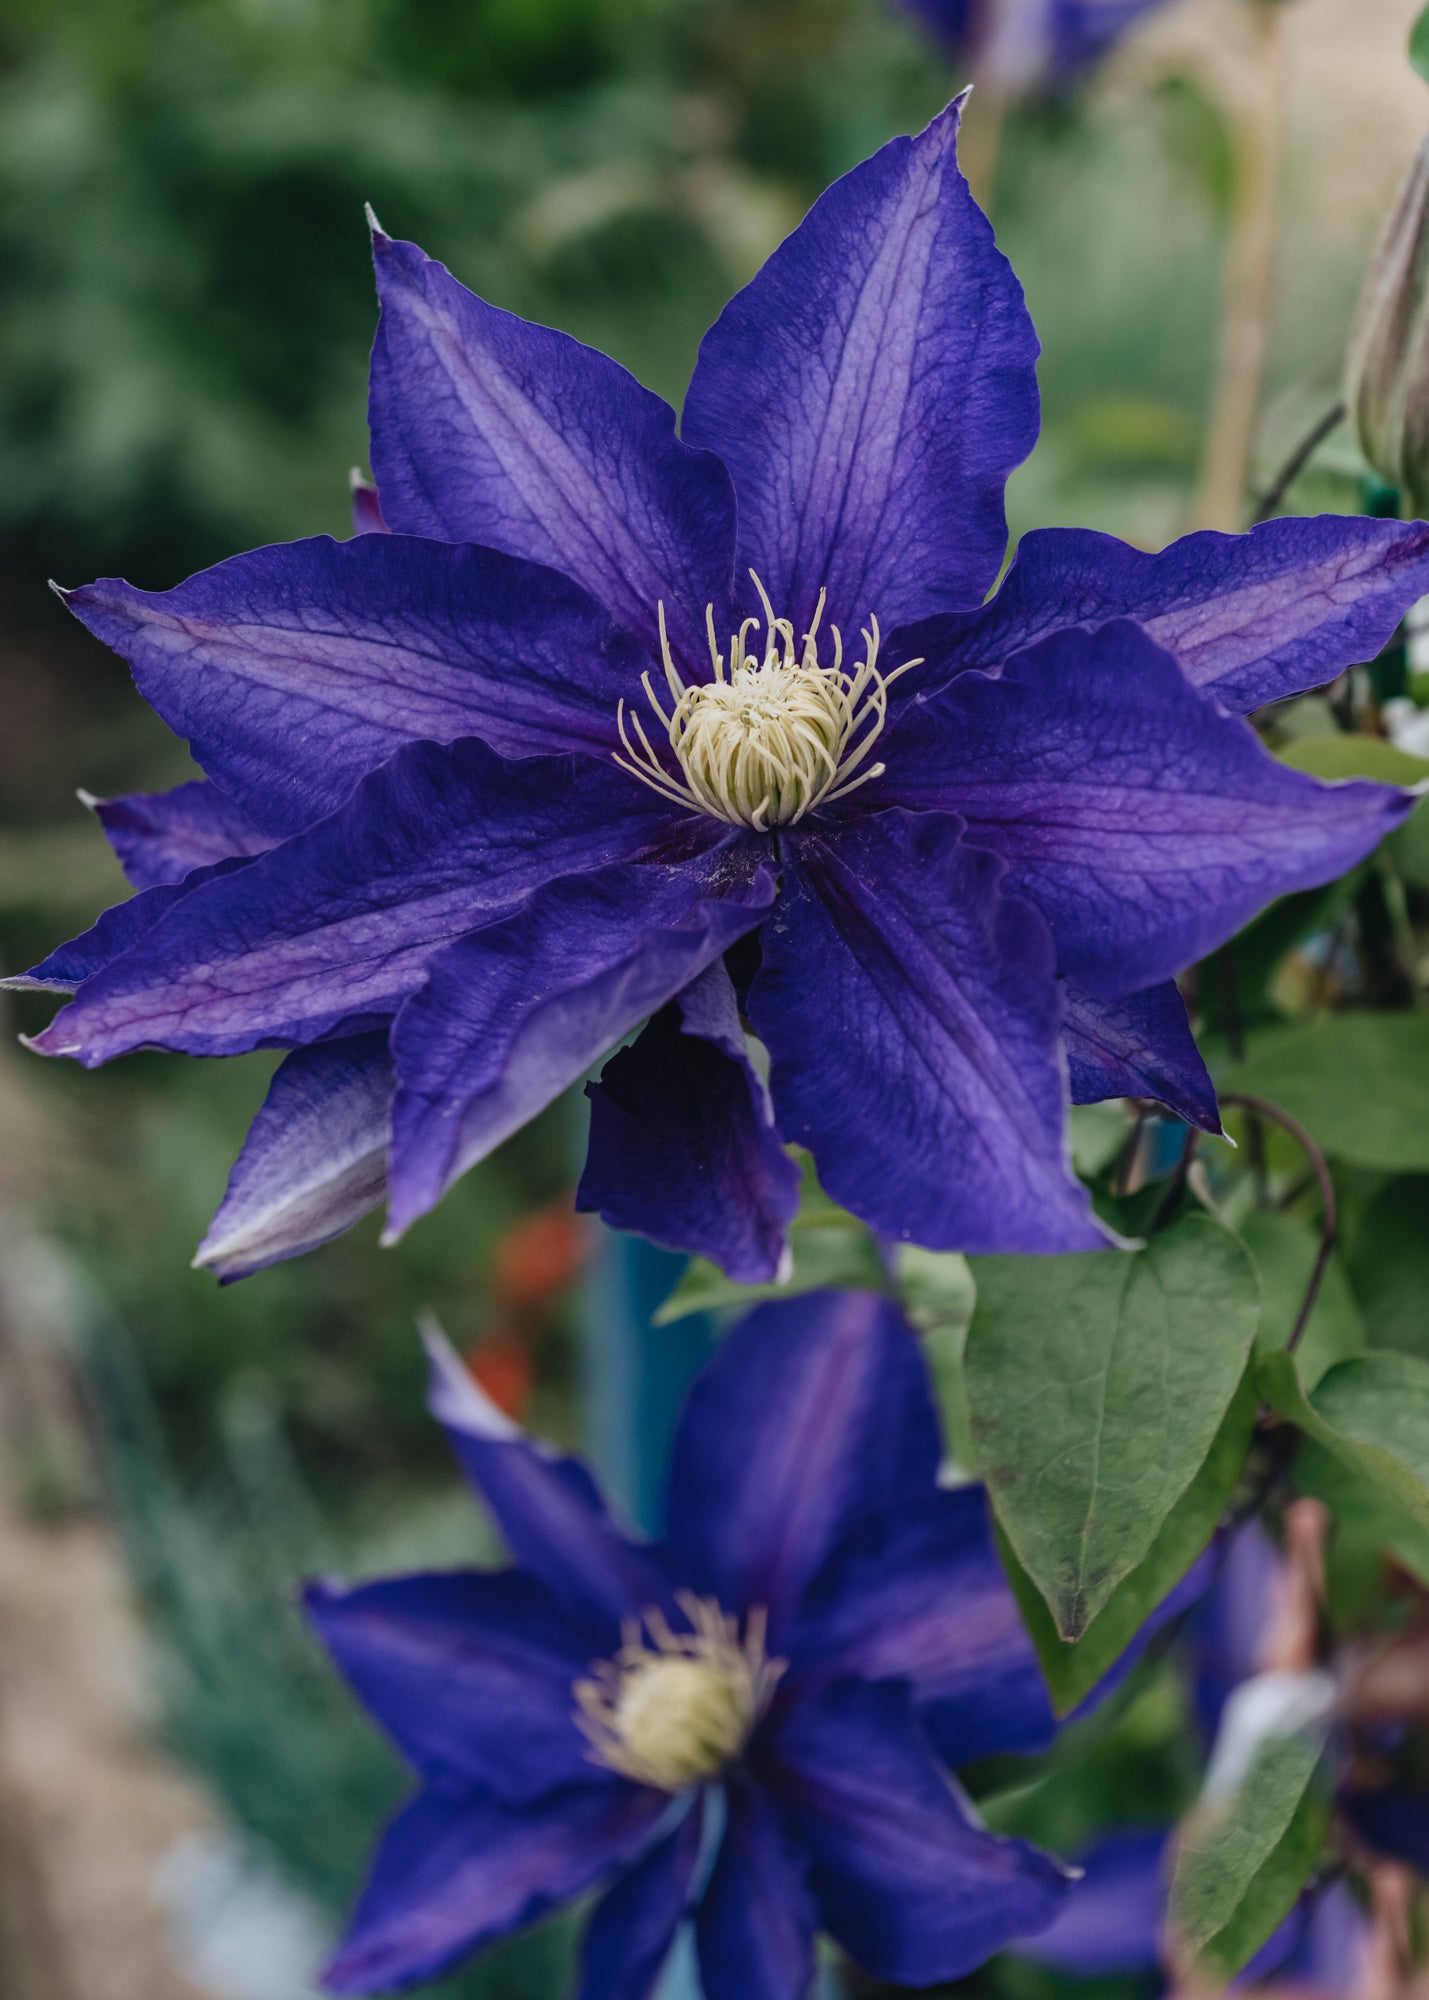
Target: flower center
pixel 775 733
pixel 674 1708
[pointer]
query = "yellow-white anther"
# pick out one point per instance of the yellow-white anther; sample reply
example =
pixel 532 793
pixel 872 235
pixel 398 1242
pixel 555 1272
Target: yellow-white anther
pixel 672 1709
pixel 775 733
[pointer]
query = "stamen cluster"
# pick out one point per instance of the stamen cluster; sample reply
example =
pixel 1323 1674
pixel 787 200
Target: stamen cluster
pixel 674 1708
pixel 775 733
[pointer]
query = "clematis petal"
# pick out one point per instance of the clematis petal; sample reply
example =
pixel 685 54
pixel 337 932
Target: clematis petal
pixel 633 1926
pixel 513 1014
pixel 488 429
pixel 294 670
pixel 470 1674
pixel 682 1140
pixel 911 1016
pixel 1250 618
pixel 1111 1922
pixel 367 515
pixel 120 927
pixel 327 934
pixel 1141 1046
pixel 910 1886
pixel 814 1416
pixel 548 1509
pixel 314 1161
pixel 870 390
pixel 756 1923
pixel 1145 823
pixel 452 1875
pixel 920 1596
pixel 160 838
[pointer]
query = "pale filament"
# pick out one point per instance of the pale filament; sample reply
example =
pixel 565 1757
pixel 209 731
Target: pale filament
pixel 775 733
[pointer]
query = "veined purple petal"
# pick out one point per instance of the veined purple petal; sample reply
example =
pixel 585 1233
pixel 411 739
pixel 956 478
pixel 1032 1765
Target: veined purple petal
pixel 367 515
pixel 470 1673
pixel 548 1509
pixel 1251 618
pixel 813 1417
pixel 1141 1046
pixel 870 390
pixel 161 837
pixel 452 1875
pixel 910 1886
pixel 314 1161
pixel 1145 823
pixel 1112 1919
pixel 327 934
pixel 488 429
pixel 513 1014
pixel 295 670
pixel 920 1596
pixel 910 1012
pixel 119 928
pixel 682 1141
pixel 757 1921
pixel 633 1926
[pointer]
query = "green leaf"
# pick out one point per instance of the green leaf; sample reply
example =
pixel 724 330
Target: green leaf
pixel 1096 1386
pixel 824 1254
pixel 1419 45
pixel 1358 1083
pixel 1372 1412
pixel 1344 756
pixel 1240 1869
pixel 1285 1251
pixel 1073 1670
pixel 1361 1510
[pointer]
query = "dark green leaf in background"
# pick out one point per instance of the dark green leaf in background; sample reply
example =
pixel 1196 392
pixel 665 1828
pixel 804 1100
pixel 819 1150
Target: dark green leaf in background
pixel 1372 1412
pixel 1358 1083
pixel 1285 1250
pixel 1419 44
pixel 1096 1387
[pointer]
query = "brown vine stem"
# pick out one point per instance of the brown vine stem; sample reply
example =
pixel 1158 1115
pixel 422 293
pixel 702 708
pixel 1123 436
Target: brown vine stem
pixel 1261 1107
pixel 1296 463
pixel 1250 270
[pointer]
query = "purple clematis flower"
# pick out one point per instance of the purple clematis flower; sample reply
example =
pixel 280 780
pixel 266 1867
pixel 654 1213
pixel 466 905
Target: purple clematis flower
pixel 577 735
pixel 747 1724
pixel 1027 44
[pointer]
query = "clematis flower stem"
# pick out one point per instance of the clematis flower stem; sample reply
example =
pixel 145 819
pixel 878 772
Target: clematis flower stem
pixel 1250 272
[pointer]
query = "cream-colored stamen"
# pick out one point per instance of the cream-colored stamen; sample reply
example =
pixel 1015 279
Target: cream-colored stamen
pixel 674 1708
pixel 774 734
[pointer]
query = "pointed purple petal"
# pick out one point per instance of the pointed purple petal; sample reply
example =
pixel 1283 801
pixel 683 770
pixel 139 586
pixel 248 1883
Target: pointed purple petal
pixel 1112 1920
pixel 119 928
pixel 910 1886
pixel 452 1875
pixel 548 1509
pixel 160 837
pixel 295 670
pixel 1138 1047
pixel 1251 618
pixel 920 1597
pixel 633 1926
pixel 912 1020
pixel 513 1014
pixel 471 1674
pixel 327 934
pixel 1145 823
pixel 314 1161
pixel 682 1141
pixel 870 391
pixel 757 1921
pixel 814 1417
pixel 488 429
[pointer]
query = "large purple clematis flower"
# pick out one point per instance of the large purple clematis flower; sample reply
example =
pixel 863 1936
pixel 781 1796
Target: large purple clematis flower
pixel 587 741
pixel 747 1724
pixel 1026 44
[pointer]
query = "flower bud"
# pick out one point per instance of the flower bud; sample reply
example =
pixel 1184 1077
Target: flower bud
pixel 1387 366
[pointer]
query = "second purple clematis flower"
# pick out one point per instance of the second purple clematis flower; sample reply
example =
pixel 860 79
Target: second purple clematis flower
pixel 617 727
pixel 746 1725
pixel 1029 44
